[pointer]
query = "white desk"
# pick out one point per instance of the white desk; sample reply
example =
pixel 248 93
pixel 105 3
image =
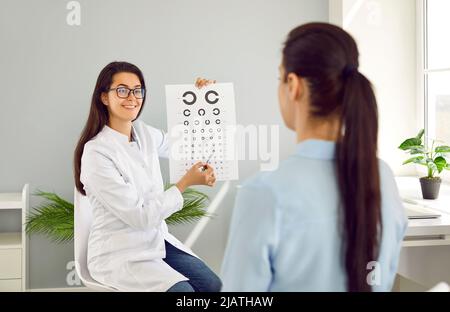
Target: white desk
pixel 426 232
pixel 409 187
pixel 425 258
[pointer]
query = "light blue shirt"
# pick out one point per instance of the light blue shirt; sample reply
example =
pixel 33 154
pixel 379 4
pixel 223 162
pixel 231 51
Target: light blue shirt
pixel 285 231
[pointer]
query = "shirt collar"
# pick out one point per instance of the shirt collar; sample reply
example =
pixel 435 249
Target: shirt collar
pixel 318 149
pixel 122 137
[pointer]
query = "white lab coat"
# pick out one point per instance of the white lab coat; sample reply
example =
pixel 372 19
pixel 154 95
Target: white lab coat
pixel 124 185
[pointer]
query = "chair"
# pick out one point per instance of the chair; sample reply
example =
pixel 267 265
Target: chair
pixel 82 225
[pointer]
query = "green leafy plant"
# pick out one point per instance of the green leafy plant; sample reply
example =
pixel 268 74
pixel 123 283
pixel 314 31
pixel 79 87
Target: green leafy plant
pixel 435 158
pixel 54 217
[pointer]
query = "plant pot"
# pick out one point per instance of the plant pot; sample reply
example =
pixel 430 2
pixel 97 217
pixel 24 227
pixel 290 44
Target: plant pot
pixel 430 187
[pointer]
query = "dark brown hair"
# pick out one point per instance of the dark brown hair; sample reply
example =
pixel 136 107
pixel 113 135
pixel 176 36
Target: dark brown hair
pixel 327 58
pixel 98 114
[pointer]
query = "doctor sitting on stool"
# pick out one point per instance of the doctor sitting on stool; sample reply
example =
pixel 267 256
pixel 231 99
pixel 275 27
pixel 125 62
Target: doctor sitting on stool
pixel 117 167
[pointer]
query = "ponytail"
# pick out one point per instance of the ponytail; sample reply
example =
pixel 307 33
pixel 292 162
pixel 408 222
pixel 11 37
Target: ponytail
pixel 358 178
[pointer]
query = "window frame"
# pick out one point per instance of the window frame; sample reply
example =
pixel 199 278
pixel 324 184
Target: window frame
pixel 423 70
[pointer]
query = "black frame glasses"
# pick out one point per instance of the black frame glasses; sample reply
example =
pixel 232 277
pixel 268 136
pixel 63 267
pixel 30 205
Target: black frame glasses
pixel 140 97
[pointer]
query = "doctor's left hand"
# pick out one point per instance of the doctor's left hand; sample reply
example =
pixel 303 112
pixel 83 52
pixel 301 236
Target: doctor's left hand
pixel 202 82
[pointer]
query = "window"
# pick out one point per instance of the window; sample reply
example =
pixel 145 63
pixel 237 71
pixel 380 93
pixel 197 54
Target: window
pixel 436 68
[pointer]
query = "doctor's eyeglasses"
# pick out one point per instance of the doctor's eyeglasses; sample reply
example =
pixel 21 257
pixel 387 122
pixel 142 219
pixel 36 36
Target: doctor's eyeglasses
pixel 124 92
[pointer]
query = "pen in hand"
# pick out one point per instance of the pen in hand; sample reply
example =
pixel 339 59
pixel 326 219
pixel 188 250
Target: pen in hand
pixel 204 167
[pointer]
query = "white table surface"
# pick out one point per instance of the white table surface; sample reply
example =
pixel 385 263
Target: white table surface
pixel 409 189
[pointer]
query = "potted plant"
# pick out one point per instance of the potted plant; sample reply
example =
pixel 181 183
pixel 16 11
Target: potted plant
pixel 54 218
pixel 435 158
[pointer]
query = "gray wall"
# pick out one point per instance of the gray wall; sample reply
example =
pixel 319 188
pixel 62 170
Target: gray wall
pixel 48 71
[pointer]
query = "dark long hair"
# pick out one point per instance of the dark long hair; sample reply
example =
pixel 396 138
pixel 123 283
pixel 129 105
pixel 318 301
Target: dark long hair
pixel 98 114
pixel 327 57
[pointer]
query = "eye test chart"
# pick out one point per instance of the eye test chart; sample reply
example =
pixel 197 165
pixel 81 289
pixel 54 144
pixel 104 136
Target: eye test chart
pixel 201 123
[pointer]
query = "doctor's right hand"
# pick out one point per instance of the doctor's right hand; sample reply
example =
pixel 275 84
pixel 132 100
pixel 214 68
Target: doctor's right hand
pixel 199 174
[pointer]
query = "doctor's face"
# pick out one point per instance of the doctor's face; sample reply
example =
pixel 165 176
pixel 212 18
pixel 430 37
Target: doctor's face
pixel 124 99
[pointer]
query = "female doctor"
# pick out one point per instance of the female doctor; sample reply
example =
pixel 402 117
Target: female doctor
pixel 116 166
